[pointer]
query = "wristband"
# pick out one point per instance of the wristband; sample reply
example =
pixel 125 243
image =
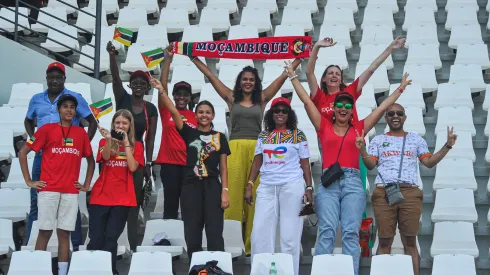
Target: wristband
pixel 293 77
pixel 149 163
pixel 448 146
pixel 401 89
pixel 226 189
pixel 309 188
pixel 251 182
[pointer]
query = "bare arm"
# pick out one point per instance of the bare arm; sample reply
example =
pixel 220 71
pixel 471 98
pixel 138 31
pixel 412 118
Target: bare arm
pixel 310 68
pixel 223 170
pixel 29 125
pixel 305 166
pixel 92 126
pixel 433 160
pixel 276 85
pixel 224 92
pixel 90 172
pixel 150 139
pixel 368 161
pixel 117 86
pixel 366 75
pixel 164 100
pixel 165 71
pixel 132 162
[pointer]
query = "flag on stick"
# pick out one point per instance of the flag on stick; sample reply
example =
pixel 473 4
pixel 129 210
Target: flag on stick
pixel 101 108
pixel 153 57
pixel 123 36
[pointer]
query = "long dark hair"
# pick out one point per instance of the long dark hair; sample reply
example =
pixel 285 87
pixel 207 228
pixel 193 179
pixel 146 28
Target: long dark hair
pixel 270 125
pixel 205 102
pixel 237 91
pixel 323 84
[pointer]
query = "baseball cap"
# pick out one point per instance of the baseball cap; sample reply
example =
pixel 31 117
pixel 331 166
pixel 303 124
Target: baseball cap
pixel 139 73
pixel 182 85
pixel 281 100
pixel 66 97
pixel 56 66
pixel 344 96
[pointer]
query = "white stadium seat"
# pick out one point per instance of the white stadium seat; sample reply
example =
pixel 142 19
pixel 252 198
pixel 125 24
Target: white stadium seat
pixel 233 245
pixel 339 16
pixel 378 15
pixel 261 263
pixel 90 262
pixel 39 263
pixel 411 97
pixel 21 93
pixel 87 22
pixel 230 5
pixel 151 6
pixel 241 32
pixel 335 55
pixel 422 3
pixel 351 5
pixel 289 30
pixel 223 258
pixel 151 263
pixel 270 5
pixel 58 4
pixel 89 62
pixel 367 98
pixel 460 118
pixel 425 75
pixel 14 204
pixel 132 18
pixel 122 243
pixel 189 5
pixel 46 19
pixel 332 264
pixel 459 3
pixel 6 145
pixel 461 15
pixel 470 74
pixel 385 264
pixel 174 229
pixel 473 54
pixel 379 79
pixel 454 95
pixel 418 16
pixel 376 34
pixel 370 52
pixel 362 113
pixel 297 16
pixel 422 34
pixel 397 245
pixel 445 208
pixel 420 54
pixel 257 17
pixel 191 74
pixel 10 15
pixel 197 34
pixel 455 173
pixel 81 88
pixel 15 178
pixel 110 6
pixel 310 5
pixel 339 32
pixel 175 20
pixel 209 93
pixel 453 265
pixel 15 122
pixel 392 4
pixel 217 18
pixel 52 244
pixel 158 211
pixel 7 245
pixel 134 60
pixel 463 149
pixel 147 36
pixel 454 238
pixel 58 37
pixel 229 72
pixel 240 63
pixel 465 34
pixel 414 122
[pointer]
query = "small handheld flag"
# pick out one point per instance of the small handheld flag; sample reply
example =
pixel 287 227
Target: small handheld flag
pixel 101 108
pixel 123 36
pixel 153 57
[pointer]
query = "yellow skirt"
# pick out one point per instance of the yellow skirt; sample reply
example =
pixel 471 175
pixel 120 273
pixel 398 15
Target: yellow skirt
pixel 239 164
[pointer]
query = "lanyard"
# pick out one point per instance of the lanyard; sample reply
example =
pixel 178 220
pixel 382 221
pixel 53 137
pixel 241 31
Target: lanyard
pixel 147 123
pixel 63 132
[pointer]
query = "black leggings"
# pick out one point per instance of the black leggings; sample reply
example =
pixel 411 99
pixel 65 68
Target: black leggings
pixel 172 177
pixel 138 178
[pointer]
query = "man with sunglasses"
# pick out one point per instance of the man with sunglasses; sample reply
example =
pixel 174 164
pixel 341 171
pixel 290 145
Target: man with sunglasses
pixel 385 152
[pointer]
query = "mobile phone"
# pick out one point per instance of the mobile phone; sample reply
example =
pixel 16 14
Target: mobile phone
pixel 116 135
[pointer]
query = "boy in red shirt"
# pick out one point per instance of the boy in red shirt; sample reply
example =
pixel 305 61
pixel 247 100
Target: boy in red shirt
pixel 63 145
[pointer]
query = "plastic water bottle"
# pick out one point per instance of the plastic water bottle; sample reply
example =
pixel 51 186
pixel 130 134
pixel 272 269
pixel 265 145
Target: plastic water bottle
pixel 273 270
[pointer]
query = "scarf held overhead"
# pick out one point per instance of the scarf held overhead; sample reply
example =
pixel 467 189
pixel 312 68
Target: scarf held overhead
pixel 285 47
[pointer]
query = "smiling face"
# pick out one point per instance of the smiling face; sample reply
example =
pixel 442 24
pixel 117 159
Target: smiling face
pixel 343 110
pixel 280 115
pixel 121 123
pixel 139 86
pixel 182 99
pixel 204 115
pixel 395 117
pixel 247 82
pixel 67 110
pixel 333 77
pixel 55 80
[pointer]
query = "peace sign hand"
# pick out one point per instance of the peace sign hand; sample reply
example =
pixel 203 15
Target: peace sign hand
pixel 360 142
pixel 326 42
pixel 451 136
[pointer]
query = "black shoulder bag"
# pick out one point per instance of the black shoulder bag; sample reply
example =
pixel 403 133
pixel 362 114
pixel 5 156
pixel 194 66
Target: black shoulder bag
pixel 334 172
pixel 392 190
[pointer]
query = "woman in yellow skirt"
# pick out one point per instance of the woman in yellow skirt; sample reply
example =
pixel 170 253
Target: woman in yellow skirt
pixel 246 102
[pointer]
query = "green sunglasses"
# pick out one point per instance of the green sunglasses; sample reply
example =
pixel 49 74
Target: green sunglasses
pixel 346 105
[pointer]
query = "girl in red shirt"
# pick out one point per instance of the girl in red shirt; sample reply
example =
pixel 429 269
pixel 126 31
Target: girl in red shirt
pixel 344 200
pixel 113 193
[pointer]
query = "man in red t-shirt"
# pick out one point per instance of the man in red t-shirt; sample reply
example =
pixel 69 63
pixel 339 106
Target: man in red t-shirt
pixel 63 145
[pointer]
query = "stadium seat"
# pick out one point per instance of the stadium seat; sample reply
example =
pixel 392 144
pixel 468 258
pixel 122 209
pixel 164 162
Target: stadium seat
pixel 223 259
pixel 10 15
pixel 151 263
pixel 454 238
pixel 197 34
pixel 15 122
pixel 219 121
pixel 461 3
pixel 230 5
pixel 191 74
pixel 106 35
pixel 370 52
pixel 339 16
pixel 87 22
pixel 158 211
pixel 58 4
pixel 240 32
pixel 216 18
pixel 52 244
pixel 393 5
pixel 423 15
pixel 15 178
pixel 379 79
pixel 297 16
pixel 446 210
pixel 378 15
pixel 81 88
pixel 385 264
pixel 420 54
pixel 455 173
pixel 14 204
pixel 414 122
pixel 473 54
pixel 233 245
pixel 285 30
pixel 421 3
pixel 123 247
pixel 175 20
pixel 332 264
pixel 340 33
pixel 132 18
pixel 7 245
pixel 153 35
pixel 425 75
pixel 453 265
pixel 362 113
pixel 470 74
pixel 110 6
pixel 461 15
pixel 261 263
pixel 56 37
pixel 189 5
pixel 6 140
pixel 465 34
pixel 21 94
pixel 411 97
pixel 422 34
pixel 310 5
pixel 151 6
pixel 257 17
pixel 46 19
pixel 238 63
pixel 463 149
pixel 397 245
pixel 229 72
pixel 174 229
pixel 134 60
pixel 209 93
pixel 367 97
pixel 351 5
pixel 89 62
pixel 376 34
pixel 39 263
pixel 454 95
pixel 270 5
pixel 333 55
pixel 90 262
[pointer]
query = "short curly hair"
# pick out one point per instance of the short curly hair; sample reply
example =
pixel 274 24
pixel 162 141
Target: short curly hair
pixel 270 125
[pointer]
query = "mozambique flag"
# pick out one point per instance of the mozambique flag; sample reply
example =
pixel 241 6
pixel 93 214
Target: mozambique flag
pixel 124 36
pixel 31 140
pixel 153 57
pixel 122 155
pixel 184 48
pixel 101 108
pixel 68 142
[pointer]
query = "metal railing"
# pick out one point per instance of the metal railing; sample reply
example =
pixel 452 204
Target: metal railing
pixel 96 46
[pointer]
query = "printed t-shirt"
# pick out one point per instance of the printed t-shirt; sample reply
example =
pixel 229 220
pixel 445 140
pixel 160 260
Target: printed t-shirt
pixel 281 153
pixel 387 149
pixel 63 149
pixel 172 146
pixel 115 186
pixel 204 150
pixel 324 102
pixel 349 155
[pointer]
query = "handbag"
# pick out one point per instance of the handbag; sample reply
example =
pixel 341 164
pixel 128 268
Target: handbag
pixel 392 190
pixel 334 172
pixel 147 189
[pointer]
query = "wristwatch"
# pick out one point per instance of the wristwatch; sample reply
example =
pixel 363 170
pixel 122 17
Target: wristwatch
pixel 448 146
pixel 309 188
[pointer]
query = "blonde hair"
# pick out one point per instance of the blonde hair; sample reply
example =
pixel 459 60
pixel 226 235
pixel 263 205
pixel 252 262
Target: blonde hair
pixel 115 143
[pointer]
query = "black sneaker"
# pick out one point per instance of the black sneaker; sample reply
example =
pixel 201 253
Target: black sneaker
pixel 115 272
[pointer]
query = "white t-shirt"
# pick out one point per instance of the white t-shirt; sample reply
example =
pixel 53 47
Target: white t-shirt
pixel 281 152
pixel 386 150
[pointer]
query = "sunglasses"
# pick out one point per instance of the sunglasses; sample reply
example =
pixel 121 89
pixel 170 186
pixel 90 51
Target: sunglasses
pixel 340 105
pixel 398 113
pixel 279 110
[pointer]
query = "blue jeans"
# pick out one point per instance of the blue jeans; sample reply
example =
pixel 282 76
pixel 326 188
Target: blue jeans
pixel 344 201
pixel 76 236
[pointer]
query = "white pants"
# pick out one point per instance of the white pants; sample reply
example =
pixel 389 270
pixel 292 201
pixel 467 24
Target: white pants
pixel 283 203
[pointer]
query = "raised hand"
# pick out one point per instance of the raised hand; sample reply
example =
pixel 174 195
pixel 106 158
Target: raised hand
pixel 405 81
pixel 451 136
pixel 288 68
pixel 360 142
pixel 326 42
pixel 104 132
pixel 156 83
pixel 169 49
pixel 110 48
pixel 398 43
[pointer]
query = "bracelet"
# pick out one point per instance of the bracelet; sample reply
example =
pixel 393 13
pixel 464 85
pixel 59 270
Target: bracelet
pixel 293 77
pixel 401 89
pixel 366 157
pixel 448 146
pixel 149 163
pixel 309 188
pixel 226 189
pixel 251 182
